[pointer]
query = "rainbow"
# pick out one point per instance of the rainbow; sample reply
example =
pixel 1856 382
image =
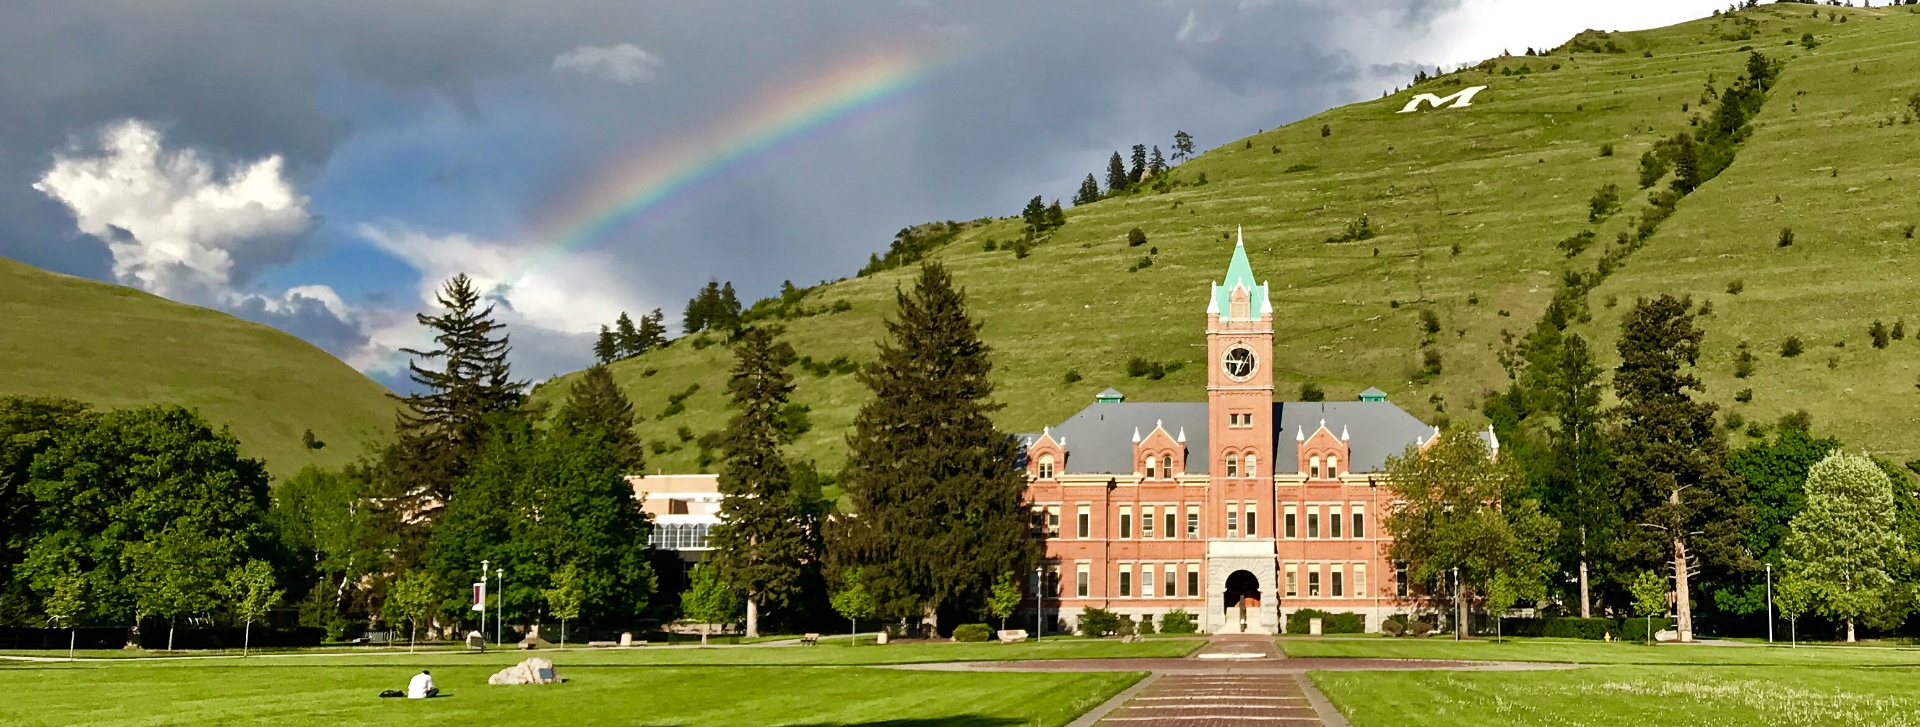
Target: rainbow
pixel 660 173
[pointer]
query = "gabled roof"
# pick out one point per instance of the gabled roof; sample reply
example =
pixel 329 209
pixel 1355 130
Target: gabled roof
pixel 1100 438
pixel 1239 275
pixel 1377 430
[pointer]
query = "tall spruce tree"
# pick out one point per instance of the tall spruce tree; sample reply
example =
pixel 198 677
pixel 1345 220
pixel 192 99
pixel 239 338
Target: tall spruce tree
pixel 606 348
pixel 653 330
pixel 1678 503
pixel 769 531
pixel 1139 168
pixel 1035 214
pixel 1116 175
pixel 596 404
pixel 1579 471
pixel 1182 145
pixel 938 488
pixel 1089 192
pixel 628 337
pixel 1155 162
pixel 700 309
pixel 1055 216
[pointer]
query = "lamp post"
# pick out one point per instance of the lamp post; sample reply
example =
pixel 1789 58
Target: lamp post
pixel 483 603
pixel 500 604
pixel 1458 606
pixel 1040 601
pixel 1769 603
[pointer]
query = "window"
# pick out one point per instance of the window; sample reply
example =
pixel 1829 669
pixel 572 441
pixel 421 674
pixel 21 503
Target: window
pixel 1313 522
pixel 1333 467
pixel 1316 467
pixel 1085 522
pixel 1126 580
pixel 1252 530
pixel 1233 466
pixel 1126 522
pixel 1338 571
pixel 1081 580
pixel 1173 527
pixel 1313 581
pixel 1053 580
pixel 1333 521
pixel 1360 580
pixel 1146 580
pixel 1400 579
pixel 1253 469
pixel 1046 466
pixel 1053 521
pixel 1167 582
pixel 1293 580
pixel 1193 522
pixel 1039 521
pixel 1152 473
pixel 1193 580
pixel 1146 521
pixel 1233 520
pixel 679 536
pixel 1359 522
pixel 1166 466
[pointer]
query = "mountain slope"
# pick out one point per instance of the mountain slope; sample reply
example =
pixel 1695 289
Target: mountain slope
pixel 1468 205
pixel 113 346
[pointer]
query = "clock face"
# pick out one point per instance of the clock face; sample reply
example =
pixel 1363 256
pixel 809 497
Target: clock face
pixel 1238 363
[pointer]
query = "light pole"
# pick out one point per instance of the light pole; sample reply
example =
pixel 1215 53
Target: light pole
pixel 1769 603
pixel 1040 601
pixel 482 605
pixel 500 604
pixel 1458 606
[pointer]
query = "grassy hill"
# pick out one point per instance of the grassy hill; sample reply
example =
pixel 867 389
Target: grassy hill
pixel 1468 205
pixel 114 346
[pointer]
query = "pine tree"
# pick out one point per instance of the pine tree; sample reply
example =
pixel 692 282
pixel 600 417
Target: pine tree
pixel 653 330
pixel 1156 164
pixel 726 309
pixel 1116 175
pixel 1686 164
pixel 1579 470
pixel 1139 167
pixel 1089 192
pixel 627 337
pixel 769 533
pixel 596 404
pixel 606 348
pixel 700 309
pixel 1055 217
pixel 939 489
pixel 1035 214
pixel 1677 501
pixel 1182 145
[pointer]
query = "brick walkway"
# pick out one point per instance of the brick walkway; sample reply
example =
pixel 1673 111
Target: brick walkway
pixel 1217 700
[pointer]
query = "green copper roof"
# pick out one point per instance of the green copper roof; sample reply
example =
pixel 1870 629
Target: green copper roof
pixel 1239 275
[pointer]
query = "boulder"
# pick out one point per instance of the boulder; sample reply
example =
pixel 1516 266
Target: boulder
pixel 1012 636
pixel 532 671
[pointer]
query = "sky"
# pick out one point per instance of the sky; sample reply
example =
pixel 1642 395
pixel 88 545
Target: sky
pixel 324 167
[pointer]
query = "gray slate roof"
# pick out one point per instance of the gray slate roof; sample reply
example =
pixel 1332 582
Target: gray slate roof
pixel 1100 438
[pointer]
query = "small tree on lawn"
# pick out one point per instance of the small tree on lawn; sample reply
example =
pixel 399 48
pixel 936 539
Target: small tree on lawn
pixel 708 601
pixel 566 597
pixel 1004 598
pixel 250 589
pixel 67 604
pixel 1649 597
pixel 1844 546
pixel 854 602
pixel 1793 597
pixel 177 574
pixel 1502 593
pixel 412 598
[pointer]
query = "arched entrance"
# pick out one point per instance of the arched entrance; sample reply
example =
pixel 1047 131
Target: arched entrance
pixel 1242 598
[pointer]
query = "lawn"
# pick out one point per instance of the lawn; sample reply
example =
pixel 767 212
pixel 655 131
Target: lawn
pixel 1594 652
pixel 1636 696
pixel 603 690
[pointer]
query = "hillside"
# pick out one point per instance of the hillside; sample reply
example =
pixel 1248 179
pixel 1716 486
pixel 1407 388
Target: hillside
pixel 114 346
pixel 1468 205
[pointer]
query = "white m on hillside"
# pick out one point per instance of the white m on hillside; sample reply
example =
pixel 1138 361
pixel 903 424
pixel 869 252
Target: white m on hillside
pixel 1460 99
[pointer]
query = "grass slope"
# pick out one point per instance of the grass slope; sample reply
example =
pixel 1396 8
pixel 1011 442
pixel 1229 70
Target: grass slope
pixel 1468 205
pixel 113 346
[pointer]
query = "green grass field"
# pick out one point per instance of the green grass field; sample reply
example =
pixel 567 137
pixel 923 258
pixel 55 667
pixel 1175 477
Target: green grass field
pixel 1468 204
pixel 113 347
pixel 293 692
pixel 1594 652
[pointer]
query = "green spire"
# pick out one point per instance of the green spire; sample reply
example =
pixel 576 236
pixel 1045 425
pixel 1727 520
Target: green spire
pixel 1239 275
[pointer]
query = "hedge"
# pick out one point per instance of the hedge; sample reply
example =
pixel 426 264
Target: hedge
pixel 972 632
pixel 1299 622
pixel 1594 629
pixel 1178 621
pixel 1635 629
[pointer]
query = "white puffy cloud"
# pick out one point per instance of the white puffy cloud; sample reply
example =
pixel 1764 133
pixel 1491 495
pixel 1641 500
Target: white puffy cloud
pixel 175 224
pixel 624 63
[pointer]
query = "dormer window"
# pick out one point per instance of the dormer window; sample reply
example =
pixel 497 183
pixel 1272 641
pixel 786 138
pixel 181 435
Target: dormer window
pixel 1151 472
pixel 1166 466
pixel 1333 467
pixel 1233 466
pixel 1315 471
pixel 1046 466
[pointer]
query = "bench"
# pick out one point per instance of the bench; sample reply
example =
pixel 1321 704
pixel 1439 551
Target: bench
pixel 810 639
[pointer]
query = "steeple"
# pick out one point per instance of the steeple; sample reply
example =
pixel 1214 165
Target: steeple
pixel 1240 276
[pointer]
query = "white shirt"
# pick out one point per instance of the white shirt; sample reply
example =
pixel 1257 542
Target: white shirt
pixel 421 684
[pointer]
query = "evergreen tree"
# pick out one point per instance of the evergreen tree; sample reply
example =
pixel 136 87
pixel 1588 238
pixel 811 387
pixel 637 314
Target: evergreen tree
pixel 939 489
pixel 1035 214
pixel 1139 167
pixel 1677 501
pixel 653 330
pixel 596 404
pixel 606 348
pixel 1055 217
pixel 1116 175
pixel 1182 145
pixel 700 309
pixel 1844 546
pixel 769 533
pixel 1156 164
pixel 1686 164
pixel 1579 471
pixel 726 309
pixel 627 337
pixel 1089 192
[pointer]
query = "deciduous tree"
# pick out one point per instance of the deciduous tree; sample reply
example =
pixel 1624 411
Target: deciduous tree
pixel 1844 546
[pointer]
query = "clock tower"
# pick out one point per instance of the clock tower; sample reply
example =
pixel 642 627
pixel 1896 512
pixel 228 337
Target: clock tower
pixel 1240 493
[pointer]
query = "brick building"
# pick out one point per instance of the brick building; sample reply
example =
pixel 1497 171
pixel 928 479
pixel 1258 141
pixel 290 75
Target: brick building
pixel 1239 510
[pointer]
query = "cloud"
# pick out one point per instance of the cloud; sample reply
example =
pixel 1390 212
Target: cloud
pixel 624 63
pixel 175 224
pixel 1191 31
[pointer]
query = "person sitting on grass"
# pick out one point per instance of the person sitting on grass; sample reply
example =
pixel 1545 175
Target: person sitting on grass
pixel 422 686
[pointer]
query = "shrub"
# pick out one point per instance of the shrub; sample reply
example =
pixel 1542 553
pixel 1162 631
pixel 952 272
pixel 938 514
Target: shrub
pixel 1792 347
pixel 1735 287
pixel 1743 396
pixel 1743 363
pixel 1299 622
pixel 1594 629
pixel 1735 421
pixel 1635 629
pixel 1136 237
pixel 1299 167
pixel 1311 392
pixel 1201 180
pixel 989 245
pixel 1880 334
pixel 1786 237
pixel 1021 249
pixel 1393 628
pixel 1606 150
pixel 1429 321
pixel 1420 628
pixel 1072 376
pixel 972 632
pixel 842 306
pixel 1575 244
pixel 1127 626
pixel 1899 329
pixel 1605 201
pixel 1359 228
pixel 1145 626
pixel 1798 420
pixel 1430 362
pixel 1907 232
pixel 1473 299
pixel 1178 621
pixel 1098 622
pixel 1138 367
pixel 1325 131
